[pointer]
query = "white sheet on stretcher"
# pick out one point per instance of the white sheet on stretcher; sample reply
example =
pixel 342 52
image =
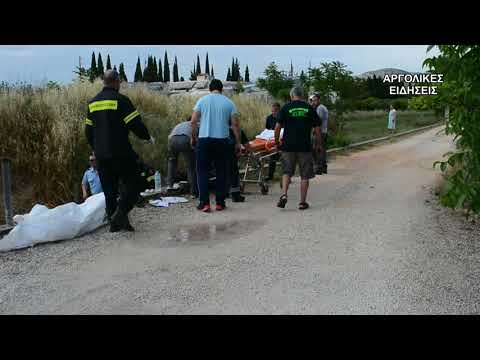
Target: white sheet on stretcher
pixel 268 135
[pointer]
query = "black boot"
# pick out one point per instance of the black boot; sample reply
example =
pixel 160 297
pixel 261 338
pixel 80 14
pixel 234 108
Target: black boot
pixel 236 197
pixel 128 226
pixel 119 221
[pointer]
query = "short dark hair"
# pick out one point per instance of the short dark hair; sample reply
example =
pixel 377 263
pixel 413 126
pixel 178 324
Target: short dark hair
pixel 276 104
pixel 215 84
pixel 110 76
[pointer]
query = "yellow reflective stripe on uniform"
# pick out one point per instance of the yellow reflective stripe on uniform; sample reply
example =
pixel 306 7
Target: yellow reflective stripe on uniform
pixel 103 105
pixel 130 117
pixel 89 122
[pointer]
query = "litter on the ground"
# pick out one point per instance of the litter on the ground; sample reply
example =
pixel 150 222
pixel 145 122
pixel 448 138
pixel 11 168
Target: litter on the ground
pixel 174 199
pixel 150 192
pixel 166 201
pixel 158 203
pixel 60 223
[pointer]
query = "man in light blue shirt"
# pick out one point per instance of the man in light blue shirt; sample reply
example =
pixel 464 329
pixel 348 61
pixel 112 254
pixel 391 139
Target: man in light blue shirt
pixel 91 184
pixel 217 113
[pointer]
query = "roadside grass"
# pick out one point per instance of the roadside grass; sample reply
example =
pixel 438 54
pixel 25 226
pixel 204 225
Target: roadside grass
pixel 366 125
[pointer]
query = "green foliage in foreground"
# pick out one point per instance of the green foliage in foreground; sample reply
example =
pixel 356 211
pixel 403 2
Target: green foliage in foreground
pixel 460 92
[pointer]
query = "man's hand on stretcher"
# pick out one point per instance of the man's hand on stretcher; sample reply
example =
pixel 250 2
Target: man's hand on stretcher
pixel 241 150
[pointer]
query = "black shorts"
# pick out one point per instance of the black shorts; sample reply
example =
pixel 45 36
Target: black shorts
pixel 305 163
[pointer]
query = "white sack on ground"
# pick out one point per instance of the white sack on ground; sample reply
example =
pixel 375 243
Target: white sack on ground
pixel 61 223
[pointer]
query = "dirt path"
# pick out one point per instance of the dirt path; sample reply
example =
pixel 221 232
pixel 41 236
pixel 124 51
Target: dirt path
pixel 374 241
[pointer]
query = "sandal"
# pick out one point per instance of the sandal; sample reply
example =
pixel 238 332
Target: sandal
pixel 303 206
pixel 282 201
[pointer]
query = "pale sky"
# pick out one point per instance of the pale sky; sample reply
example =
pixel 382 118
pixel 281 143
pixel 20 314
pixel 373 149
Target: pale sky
pixel 38 63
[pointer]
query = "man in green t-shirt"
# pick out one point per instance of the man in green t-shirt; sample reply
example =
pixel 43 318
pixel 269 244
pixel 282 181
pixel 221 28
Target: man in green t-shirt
pixel 297 118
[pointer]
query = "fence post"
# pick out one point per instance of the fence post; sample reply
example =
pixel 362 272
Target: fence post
pixel 7 190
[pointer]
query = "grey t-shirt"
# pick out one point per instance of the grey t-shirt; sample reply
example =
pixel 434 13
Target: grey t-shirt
pixel 184 128
pixel 322 112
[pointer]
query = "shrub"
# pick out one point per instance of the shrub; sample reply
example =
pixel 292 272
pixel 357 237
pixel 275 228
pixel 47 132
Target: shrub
pixel 460 91
pixel 400 104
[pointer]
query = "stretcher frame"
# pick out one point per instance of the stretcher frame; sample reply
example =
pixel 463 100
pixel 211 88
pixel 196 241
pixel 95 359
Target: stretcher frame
pixel 254 171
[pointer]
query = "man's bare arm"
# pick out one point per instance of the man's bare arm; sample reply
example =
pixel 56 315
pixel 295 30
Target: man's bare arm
pixel 236 128
pixel 85 192
pixel 278 128
pixel 194 123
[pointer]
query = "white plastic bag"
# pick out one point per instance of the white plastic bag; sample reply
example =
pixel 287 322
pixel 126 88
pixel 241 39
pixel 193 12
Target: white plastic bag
pixel 61 223
pixel 174 199
pixel 268 134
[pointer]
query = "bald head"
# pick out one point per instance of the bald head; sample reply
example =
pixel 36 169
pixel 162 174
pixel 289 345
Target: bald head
pixel 111 78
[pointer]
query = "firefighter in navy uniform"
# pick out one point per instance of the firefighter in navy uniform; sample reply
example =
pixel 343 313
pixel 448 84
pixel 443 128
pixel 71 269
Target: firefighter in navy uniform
pixel 110 118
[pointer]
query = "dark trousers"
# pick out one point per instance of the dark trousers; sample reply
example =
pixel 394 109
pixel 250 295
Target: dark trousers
pixel 208 150
pixel 233 178
pixel 320 159
pixel 111 171
pixel 180 144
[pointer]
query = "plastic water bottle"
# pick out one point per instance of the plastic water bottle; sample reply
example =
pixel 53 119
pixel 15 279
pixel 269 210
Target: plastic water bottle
pixel 158 181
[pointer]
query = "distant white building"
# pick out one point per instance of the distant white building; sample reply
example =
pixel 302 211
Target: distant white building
pixel 204 76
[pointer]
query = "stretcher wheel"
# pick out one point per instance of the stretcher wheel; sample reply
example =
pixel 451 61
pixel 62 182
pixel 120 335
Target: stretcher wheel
pixel 264 189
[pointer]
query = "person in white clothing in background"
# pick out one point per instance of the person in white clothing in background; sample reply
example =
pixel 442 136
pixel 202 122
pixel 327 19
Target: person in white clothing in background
pixel 392 119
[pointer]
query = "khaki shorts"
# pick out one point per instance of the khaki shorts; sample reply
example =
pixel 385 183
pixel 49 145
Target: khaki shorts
pixel 305 162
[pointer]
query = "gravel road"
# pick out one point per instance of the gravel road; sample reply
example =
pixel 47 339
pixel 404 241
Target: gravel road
pixel 375 241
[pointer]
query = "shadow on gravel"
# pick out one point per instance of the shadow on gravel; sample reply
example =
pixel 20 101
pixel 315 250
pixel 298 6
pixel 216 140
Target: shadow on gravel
pixel 201 234
pixel 210 233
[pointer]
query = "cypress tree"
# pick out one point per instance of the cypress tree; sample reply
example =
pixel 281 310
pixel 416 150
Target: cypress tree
pixel 138 72
pixel 109 65
pixel 247 75
pixel 155 69
pixel 93 68
pixel 232 72
pixel 229 76
pixel 207 66
pixel 151 76
pixel 237 70
pixel 146 75
pixel 193 73
pixel 175 70
pixel 166 69
pixel 100 69
pixel 122 74
pixel 212 74
pixel 198 69
pixel 160 70
pixel 151 70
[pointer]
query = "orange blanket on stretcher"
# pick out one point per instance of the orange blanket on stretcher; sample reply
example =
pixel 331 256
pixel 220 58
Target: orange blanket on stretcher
pixel 261 144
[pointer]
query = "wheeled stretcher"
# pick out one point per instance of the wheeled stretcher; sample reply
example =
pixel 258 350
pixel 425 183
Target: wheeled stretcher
pixel 260 154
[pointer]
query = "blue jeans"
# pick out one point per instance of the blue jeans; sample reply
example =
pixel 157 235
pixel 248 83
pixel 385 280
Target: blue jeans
pixel 212 150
